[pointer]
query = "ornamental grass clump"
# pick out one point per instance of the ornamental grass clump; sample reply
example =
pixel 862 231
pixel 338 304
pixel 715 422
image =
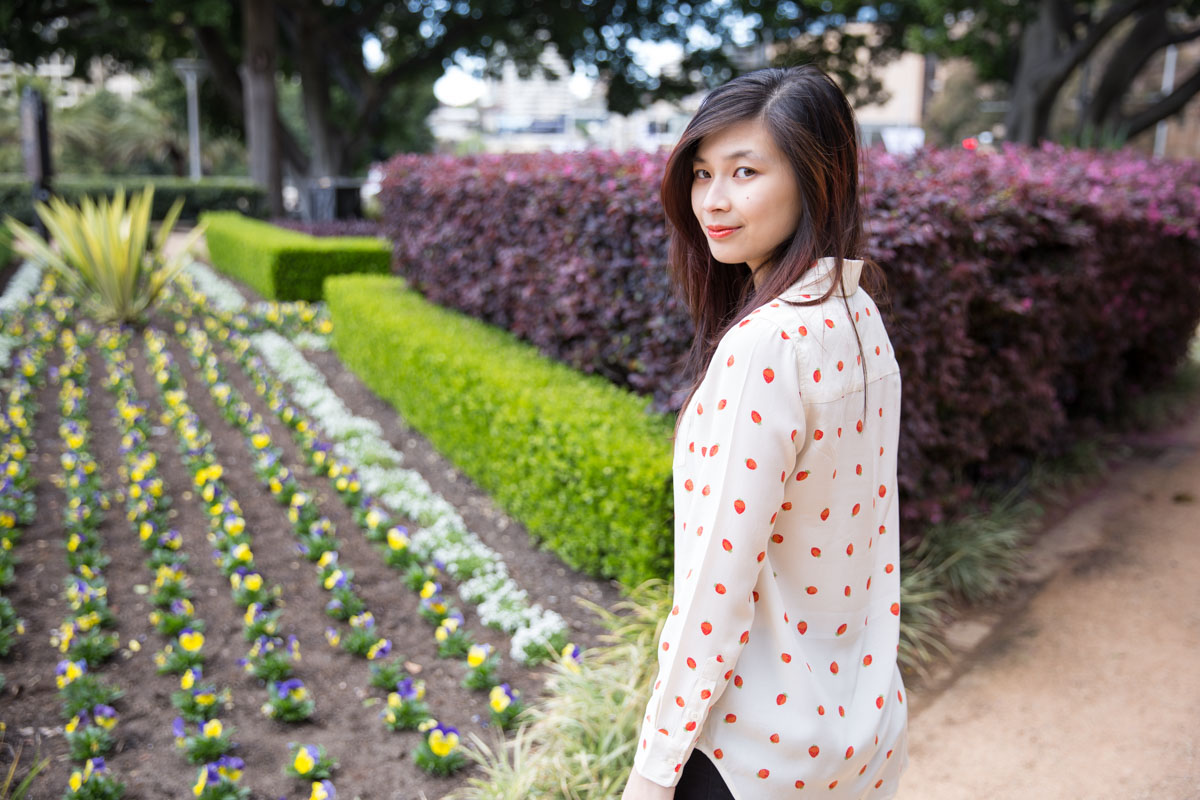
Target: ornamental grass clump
pixel 105 254
pixel 577 741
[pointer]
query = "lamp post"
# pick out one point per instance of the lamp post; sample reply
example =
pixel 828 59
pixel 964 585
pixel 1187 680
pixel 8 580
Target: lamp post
pixel 191 70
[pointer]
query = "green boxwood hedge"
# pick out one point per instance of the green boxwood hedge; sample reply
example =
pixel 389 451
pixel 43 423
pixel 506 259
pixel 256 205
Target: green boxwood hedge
pixel 6 245
pixel 581 463
pixel 207 194
pixel 287 265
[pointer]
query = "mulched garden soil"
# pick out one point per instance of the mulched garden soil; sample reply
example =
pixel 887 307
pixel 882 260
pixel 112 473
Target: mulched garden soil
pixel 374 763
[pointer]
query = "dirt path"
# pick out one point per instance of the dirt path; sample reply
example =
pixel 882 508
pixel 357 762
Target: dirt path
pixel 1091 689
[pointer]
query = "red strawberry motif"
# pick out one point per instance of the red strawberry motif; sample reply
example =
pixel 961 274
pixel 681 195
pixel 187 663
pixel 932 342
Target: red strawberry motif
pixel 817 376
pixel 763 773
pixel 774 738
pixel 847 590
pixel 811 590
pixel 706 628
pixel 713 450
pixel 895 609
pixel 739 506
pixel 888 569
pixel 841 366
pixel 728 545
pixel 679 701
pixel 720 587
pixel 737 681
pixel 751 463
pixel 832 783
pixel 829 323
pixel 721 404
pixel 674 611
pixel 729 363
pixel 850 547
pixel 691 726
pixel 824 514
pixel 803 331
pixel 854 511
pixel 691 662
pixel 699 408
pixel 704 695
pixel 666 645
pixel 768 374
pixel 786 506
pixel 882 490
pixel 786 657
pixel 706 490
pixel 858 427
pixel 718 753
pixel 802 474
pixel 745 637
pixel 802 626
pixel 800 784
pixel 781 699
pixel 867 660
pixel 858 469
pixel 731 717
pixel 876 349
pixel 879 701
pixel 833 667
pixel 814 751
pixel 818 434
pixel 816 551
pixel 841 629
pixel 849 752
pixel 756 418
pixel 821 710
pixel 777 538
pixel 688 485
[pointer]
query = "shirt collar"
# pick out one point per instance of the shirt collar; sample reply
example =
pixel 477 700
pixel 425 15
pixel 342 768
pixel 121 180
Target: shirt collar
pixel 817 280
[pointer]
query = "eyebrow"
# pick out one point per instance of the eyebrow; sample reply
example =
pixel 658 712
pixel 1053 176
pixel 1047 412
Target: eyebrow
pixel 732 156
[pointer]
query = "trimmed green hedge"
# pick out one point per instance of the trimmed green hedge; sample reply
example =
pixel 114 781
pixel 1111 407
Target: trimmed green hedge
pixel 287 265
pixel 6 245
pixel 207 194
pixel 581 463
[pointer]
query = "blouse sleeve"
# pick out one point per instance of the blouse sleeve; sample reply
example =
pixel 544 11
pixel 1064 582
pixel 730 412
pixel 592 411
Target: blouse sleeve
pixel 745 421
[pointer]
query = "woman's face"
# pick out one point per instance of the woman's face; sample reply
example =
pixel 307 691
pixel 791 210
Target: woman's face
pixel 744 194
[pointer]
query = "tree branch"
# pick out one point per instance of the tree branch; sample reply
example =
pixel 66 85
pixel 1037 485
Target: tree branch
pixel 1068 61
pixel 1171 104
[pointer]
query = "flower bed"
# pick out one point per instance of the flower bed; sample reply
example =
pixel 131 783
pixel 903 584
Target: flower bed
pixel 251 535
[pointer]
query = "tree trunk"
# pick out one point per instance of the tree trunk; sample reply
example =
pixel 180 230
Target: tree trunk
pixel 1034 87
pixel 326 147
pixel 258 93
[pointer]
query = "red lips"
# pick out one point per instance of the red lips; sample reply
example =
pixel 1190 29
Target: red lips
pixel 719 231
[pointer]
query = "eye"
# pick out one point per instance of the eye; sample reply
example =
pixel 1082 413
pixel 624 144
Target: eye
pixel 744 172
pixel 700 174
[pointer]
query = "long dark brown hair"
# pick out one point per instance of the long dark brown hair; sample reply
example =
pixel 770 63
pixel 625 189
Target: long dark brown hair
pixel 812 124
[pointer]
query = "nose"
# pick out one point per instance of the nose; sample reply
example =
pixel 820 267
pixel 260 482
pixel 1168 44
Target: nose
pixel 716 196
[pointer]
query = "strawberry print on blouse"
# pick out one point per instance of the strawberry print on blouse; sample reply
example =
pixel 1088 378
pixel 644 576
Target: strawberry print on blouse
pixel 778 656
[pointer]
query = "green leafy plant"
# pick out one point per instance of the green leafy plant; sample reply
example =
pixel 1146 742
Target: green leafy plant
pixel 104 259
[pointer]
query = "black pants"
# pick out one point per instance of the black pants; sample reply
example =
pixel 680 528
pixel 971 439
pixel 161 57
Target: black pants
pixel 701 781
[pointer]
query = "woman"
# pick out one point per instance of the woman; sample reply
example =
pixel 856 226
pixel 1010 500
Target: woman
pixel 777 663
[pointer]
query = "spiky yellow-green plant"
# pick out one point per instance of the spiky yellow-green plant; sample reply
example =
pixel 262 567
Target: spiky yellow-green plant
pixel 105 255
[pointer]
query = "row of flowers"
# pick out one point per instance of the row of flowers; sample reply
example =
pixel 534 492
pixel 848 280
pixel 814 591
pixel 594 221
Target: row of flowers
pixel 271 658
pixel 33 329
pixel 406 708
pixel 85 638
pixel 308 324
pixel 537 633
pixel 21 288
pixel 199 733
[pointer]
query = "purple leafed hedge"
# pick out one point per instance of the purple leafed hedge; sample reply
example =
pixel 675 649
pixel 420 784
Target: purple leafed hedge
pixel 1030 291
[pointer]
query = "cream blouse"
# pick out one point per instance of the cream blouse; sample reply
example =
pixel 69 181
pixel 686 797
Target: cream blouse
pixel 778 659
